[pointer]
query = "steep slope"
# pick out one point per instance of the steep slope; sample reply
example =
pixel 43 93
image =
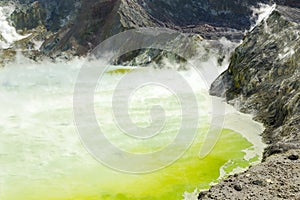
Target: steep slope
pixel 98 20
pixel 263 79
pixel 77 26
pixel 263 76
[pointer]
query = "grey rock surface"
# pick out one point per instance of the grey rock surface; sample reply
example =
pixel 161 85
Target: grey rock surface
pixel 263 79
pixel 277 179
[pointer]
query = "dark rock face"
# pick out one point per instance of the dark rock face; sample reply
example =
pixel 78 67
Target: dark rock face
pixel 29 18
pixel 291 3
pixel 211 19
pixel 53 14
pixel 98 21
pixel 220 13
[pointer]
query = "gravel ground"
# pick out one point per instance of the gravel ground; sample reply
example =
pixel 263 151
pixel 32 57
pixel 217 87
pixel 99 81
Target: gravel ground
pixel 276 178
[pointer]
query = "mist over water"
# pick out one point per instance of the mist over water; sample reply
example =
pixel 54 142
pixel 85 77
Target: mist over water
pixel 42 156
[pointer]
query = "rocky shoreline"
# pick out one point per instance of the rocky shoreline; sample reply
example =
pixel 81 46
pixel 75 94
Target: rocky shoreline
pixel 263 79
pixel 276 178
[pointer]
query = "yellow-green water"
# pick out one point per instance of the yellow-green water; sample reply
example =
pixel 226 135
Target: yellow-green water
pixel 41 155
pixel 91 181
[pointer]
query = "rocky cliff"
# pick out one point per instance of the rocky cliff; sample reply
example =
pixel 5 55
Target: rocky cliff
pixel 263 79
pixel 107 18
pixel 74 27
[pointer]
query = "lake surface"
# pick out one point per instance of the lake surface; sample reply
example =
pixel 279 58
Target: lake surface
pixel 42 156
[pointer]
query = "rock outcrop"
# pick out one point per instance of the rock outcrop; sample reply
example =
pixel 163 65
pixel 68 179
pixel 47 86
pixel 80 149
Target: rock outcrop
pixel 264 79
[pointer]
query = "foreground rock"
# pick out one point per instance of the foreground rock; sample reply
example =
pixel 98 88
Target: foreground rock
pixel 264 79
pixel 277 178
